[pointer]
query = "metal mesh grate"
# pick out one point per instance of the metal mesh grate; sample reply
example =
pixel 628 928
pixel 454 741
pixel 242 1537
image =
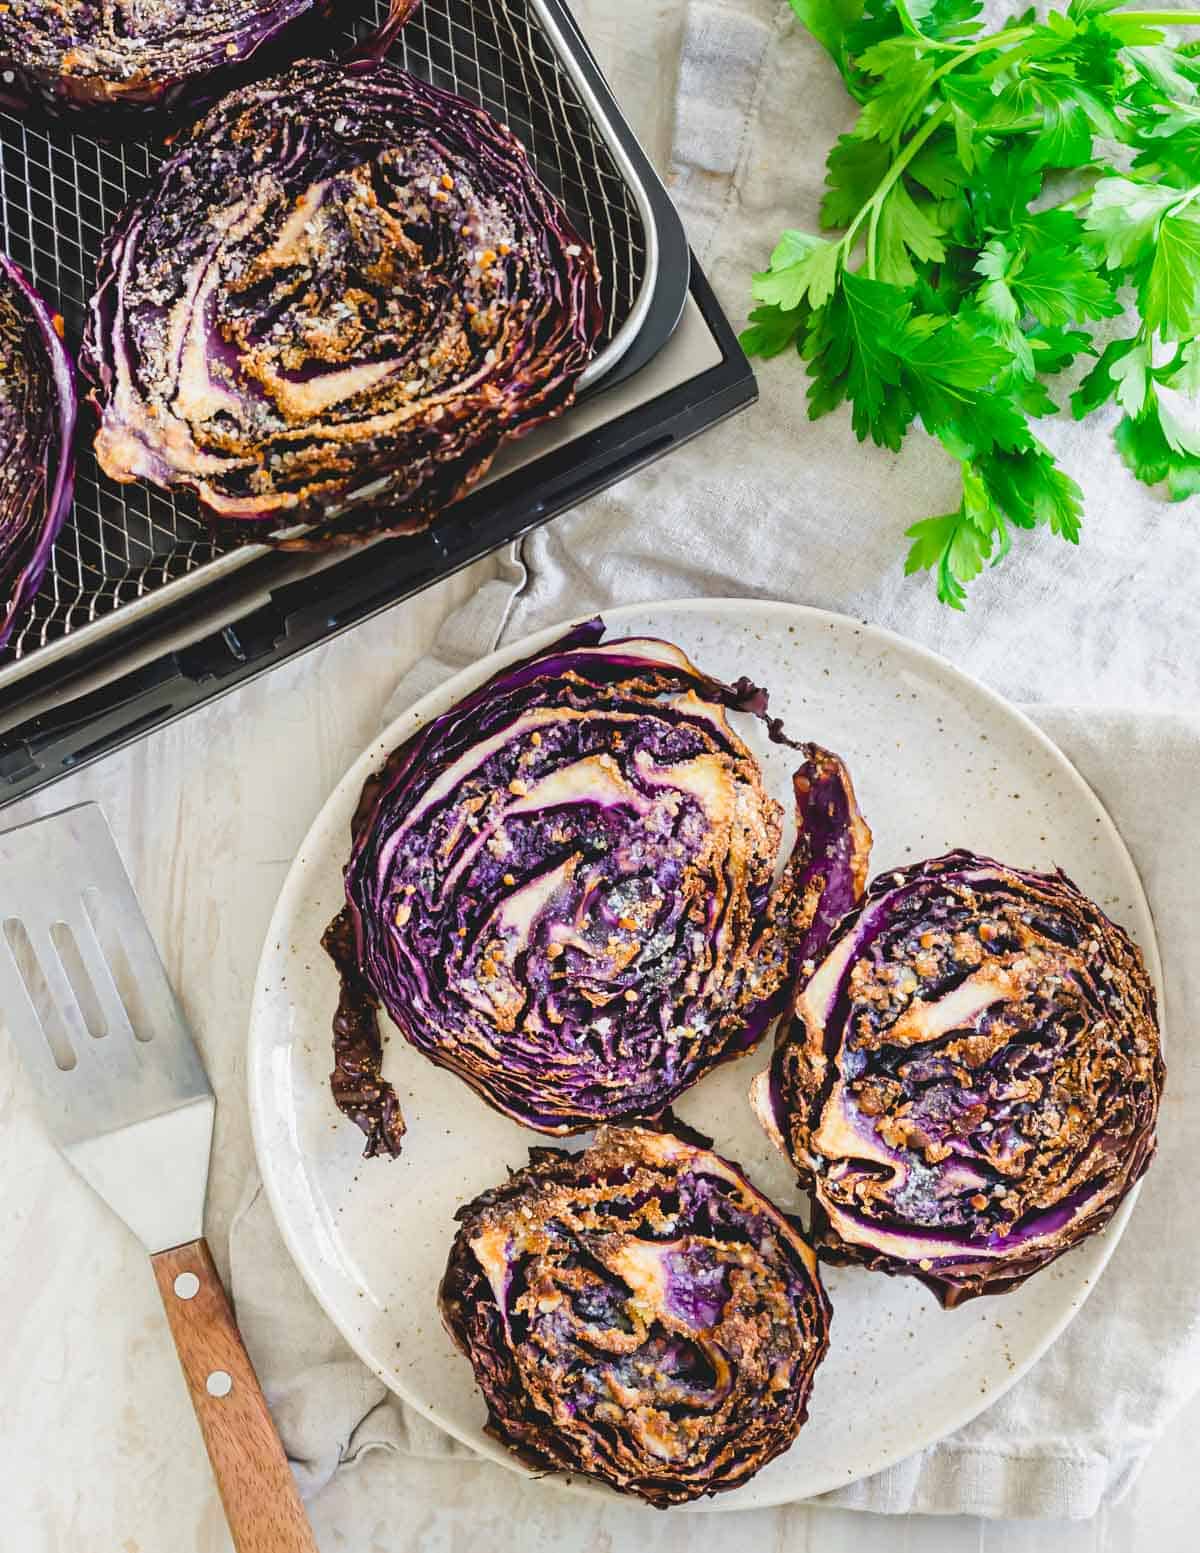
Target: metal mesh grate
pixel 61 191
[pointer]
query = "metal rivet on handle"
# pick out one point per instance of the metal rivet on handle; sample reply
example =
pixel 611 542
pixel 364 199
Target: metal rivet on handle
pixel 187 1286
pixel 219 1384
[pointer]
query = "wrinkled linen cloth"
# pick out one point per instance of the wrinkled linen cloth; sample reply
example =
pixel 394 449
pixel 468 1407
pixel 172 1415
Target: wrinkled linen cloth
pixel 772 506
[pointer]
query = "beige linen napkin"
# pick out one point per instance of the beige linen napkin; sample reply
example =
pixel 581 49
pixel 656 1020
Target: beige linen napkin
pixel 772 506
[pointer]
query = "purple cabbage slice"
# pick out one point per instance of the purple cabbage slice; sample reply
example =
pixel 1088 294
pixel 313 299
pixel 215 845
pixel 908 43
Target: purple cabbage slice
pixel 563 890
pixel 971 1079
pixel 37 423
pixel 340 294
pixel 638 1313
pixel 104 56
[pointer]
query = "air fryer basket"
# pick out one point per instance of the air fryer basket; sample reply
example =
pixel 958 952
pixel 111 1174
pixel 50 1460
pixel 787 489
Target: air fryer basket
pixel 61 190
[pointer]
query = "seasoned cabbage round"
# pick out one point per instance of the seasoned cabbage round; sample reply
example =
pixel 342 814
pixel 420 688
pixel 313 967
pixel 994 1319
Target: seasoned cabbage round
pixel 335 300
pixel 971 1080
pixel 100 54
pixel 563 889
pixel 37 421
pixel 638 1313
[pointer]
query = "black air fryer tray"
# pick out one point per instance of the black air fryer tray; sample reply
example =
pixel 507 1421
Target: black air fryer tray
pixel 140 617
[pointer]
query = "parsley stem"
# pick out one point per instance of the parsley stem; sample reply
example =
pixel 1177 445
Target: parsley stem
pixel 909 24
pixel 1074 201
pixel 1163 18
pixel 1083 197
pixel 875 204
pixel 998 40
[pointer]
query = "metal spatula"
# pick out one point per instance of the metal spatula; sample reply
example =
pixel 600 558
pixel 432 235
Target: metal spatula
pixel 122 1091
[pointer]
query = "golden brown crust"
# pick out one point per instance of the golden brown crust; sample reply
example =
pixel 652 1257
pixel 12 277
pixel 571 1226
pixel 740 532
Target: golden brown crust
pixel 639 1314
pixel 971 1081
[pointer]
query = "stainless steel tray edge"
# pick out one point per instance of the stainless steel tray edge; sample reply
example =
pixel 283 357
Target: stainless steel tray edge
pixel 628 332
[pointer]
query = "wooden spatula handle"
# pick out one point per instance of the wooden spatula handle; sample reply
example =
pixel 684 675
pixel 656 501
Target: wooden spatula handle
pixel 257 1488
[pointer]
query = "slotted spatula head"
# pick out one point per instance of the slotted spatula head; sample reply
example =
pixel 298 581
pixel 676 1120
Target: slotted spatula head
pixel 98 1028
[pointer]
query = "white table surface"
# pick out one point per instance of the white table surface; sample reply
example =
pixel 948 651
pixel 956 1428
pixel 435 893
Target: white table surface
pixel 100 1450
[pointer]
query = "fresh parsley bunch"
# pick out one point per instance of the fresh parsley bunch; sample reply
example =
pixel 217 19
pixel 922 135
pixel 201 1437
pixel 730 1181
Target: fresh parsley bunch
pixel 998 195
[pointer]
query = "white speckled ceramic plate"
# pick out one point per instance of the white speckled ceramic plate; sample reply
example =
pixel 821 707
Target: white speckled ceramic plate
pixel 938 762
